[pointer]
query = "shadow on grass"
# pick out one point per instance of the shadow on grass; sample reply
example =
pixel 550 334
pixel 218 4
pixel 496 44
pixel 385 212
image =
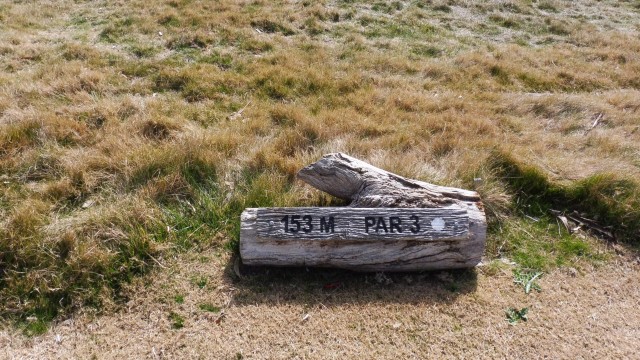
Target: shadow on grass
pixel 611 201
pixel 335 287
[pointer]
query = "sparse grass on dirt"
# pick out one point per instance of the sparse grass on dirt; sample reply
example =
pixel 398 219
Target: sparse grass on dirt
pixel 300 313
pixel 130 133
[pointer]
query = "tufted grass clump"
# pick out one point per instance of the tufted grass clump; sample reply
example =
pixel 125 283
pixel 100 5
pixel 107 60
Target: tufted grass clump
pixel 608 199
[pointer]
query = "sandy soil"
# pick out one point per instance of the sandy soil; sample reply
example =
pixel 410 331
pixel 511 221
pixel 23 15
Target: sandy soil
pixel 326 314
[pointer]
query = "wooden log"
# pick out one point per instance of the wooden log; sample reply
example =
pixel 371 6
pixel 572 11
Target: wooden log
pixel 343 223
pixel 392 223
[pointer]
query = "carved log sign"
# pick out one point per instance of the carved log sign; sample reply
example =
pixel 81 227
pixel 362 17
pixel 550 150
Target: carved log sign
pixel 392 224
pixel 361 224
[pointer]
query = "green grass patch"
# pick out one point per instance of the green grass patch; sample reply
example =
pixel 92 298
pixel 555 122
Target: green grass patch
pixel 200 281
pixel 177 320
pixel 19 135
pixel 222 61
pixel 539 246
pixel 49 286
pixel 514 315
pixel 138 68
pixel 426 51
pixel 280 86
pixel 387 7
pixel 442 8
pixel 170 20
pixel 117 30
pixel 557 27
pixel 537 83
pixel 210 308
pixel 143 51
pixel 399 30
pixel 189 41
pixel 509 23
pixel 271 27
pixel 171 80
pixel 254 46
pixel 547 6
pixel 85 281
pixel 500 74
pixel 34 326
pixel 609 200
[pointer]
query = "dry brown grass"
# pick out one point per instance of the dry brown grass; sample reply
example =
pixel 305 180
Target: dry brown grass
pixel 129 130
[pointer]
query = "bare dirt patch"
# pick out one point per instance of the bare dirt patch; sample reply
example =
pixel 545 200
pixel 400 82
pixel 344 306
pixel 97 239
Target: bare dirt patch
pixel 326 314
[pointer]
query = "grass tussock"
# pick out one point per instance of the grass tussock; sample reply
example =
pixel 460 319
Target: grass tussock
pixel 606 198
pixel 128 133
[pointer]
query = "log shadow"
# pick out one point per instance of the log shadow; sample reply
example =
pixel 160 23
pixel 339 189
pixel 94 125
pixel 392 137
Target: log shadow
pixel 336 287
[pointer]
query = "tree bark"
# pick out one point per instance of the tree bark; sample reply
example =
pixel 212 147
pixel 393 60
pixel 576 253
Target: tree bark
pixel 367 186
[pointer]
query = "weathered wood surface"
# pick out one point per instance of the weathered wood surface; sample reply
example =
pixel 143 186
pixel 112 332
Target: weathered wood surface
pixel 336 223
pixel 366 186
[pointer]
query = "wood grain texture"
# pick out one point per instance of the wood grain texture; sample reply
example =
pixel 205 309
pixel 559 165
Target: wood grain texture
pixel 367 186
pixel 353 254
pixel 344 223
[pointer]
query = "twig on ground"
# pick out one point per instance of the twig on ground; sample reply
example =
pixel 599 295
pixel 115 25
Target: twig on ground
pixel 598 117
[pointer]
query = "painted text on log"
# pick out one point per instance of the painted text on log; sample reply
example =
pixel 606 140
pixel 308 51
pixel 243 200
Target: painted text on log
pixel 362 223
